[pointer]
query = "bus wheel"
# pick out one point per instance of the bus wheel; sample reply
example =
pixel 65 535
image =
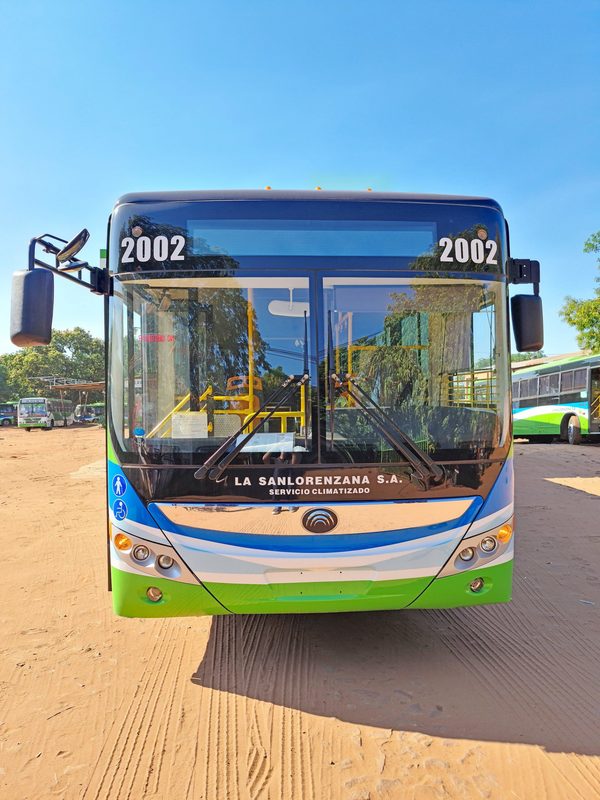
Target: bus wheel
pixel 573 431
pixel 28 430
pixel 6 422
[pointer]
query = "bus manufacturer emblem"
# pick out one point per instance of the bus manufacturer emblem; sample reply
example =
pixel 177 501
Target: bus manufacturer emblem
pixel 319 520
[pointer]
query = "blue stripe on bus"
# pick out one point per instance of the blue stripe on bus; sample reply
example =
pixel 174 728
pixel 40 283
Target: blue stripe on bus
pixel 501 493
pixel 330 543
pixel 136 510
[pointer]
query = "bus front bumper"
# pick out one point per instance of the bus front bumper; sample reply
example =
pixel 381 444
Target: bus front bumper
pixel 130 595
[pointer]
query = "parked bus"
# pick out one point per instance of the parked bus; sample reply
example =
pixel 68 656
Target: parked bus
pixel 560 398
pixel 8 414
pixel 99 411
pixel 44 413
pixel 295 421
pixel 90 412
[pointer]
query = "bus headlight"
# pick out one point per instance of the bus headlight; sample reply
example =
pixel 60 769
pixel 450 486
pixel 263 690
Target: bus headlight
pixel 154 594
pixel 476 585
pixel 467 554
pixel 165 562
pixel 489 544
pixel 140 552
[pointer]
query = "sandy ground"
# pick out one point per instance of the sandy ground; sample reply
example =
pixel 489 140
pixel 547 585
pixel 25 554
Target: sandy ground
pixel 498 702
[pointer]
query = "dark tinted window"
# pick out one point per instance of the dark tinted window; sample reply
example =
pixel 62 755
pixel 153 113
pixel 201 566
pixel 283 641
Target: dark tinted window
pixel 544 384
pixel 529 387
pixel 566 381
pixel 292 237
pixel 580 379
pixel 554 382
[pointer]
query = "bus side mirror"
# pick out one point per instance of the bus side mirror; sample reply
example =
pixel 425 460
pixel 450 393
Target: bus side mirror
pixel 528 322
pixel 32 304
pixel 73 247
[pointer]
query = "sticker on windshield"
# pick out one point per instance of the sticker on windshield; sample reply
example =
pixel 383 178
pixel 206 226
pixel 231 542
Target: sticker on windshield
pixel 141 248
pixel 461 250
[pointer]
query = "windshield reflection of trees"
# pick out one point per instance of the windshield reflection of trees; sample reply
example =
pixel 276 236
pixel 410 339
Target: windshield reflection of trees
pixel 408 367
pixel 216 320
pixel 194 349
pixel 407 381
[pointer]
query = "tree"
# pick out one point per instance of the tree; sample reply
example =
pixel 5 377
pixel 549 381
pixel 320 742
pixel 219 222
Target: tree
pixel 584 315
pixel 71 354
pixel 533 356
pixel 5 389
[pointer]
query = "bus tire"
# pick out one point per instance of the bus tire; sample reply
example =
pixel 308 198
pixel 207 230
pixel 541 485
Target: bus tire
pixel 5 422
pixel 573 430
pixel 28 430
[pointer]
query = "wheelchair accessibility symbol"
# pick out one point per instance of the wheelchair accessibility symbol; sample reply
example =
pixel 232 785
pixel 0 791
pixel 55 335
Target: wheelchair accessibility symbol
pixel 119 510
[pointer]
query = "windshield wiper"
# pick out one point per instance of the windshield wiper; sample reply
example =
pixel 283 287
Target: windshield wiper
pixel 216 464
pixel 425 468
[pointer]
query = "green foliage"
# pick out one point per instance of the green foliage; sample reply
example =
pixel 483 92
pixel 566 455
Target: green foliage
pixel 71 354
pixel 272 379
pixel 5 389
pixel 592 244
pixel 527 356
pixel 584 315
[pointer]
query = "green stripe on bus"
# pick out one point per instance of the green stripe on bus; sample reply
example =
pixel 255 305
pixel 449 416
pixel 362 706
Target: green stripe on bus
pixel 318 597
pixel 453 591
pixel 179 599
pixel 185 599
pixel 545 424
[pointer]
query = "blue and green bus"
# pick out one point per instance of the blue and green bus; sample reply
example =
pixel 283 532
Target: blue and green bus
pixel 8 413
pixel 295 421
pixel 558 398
pixel 90 412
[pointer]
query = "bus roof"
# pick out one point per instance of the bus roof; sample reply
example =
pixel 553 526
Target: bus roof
pixel 38 399
pixel 558 363
pixel 305 195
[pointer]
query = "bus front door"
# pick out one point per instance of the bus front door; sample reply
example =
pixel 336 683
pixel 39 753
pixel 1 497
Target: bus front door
pixel 594 426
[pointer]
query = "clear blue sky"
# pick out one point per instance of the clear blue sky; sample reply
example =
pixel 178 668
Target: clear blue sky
pixel 463 97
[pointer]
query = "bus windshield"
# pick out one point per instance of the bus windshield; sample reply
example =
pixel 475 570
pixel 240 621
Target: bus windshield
pixel 424 352
pixel 195 358
pixel 32 408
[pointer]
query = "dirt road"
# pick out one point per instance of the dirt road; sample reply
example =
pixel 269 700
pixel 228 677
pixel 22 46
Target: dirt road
pixel 499 702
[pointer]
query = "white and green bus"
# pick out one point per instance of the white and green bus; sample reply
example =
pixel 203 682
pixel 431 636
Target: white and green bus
pixel 560 398
pixel 44 412
pixel 295 422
